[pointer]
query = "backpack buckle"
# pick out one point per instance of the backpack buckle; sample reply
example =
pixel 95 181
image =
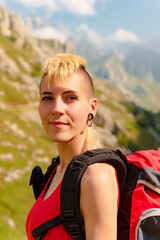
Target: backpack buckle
pixel 74 230
pixel 90 153
pixel 70 215
pixel 39 237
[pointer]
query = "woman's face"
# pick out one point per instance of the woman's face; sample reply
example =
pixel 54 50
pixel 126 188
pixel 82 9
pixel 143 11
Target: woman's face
pixel 64 108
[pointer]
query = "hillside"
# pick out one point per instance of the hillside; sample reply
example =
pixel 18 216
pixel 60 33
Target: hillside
pixel 120 123
pixel 23 142
pixel 133 67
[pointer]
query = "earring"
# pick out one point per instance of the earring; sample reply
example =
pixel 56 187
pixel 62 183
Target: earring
pixel 90 118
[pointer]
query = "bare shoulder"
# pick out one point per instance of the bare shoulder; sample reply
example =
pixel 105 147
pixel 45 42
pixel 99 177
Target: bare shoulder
pixel 98 201
pixel 97 174
pixel 99 180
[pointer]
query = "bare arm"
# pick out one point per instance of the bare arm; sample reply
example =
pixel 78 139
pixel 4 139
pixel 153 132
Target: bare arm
pixel 98 200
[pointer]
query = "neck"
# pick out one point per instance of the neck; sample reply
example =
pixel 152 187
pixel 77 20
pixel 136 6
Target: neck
pixel 68 150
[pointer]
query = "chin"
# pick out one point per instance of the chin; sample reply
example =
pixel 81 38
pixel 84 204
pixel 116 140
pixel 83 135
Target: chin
pixel 65 137
pixel 59 139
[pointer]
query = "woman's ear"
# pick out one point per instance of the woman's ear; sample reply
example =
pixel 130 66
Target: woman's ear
pixel 93 106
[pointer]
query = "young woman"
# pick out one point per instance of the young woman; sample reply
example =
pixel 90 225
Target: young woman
pixel 67 107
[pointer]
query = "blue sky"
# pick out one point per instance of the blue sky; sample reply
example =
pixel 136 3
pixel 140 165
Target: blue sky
pixel 110 19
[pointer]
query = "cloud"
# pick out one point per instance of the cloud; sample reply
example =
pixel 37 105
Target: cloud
pixel 2 2
pixel 122 36
pixel 83 31
pixel 83 7
pixel 49 4
pixel 49 32
pixel 45 30
pixel 63 33
pixel 90 34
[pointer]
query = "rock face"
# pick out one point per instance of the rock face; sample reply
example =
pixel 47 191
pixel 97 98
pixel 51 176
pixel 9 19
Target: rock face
pixel 7 64
pixel 21 62
pixel 23 143
pixel 22 55
pixel 133 68
pixel 13 27
pixel 10 23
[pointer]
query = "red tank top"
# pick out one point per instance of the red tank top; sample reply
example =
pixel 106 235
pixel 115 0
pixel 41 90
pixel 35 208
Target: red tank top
pixel 44 210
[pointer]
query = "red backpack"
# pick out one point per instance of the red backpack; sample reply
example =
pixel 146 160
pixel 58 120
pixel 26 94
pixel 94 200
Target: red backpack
pixel 145 202
pixel 139 183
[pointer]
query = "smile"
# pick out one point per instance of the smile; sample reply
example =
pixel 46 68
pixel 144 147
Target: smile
pixel 58 124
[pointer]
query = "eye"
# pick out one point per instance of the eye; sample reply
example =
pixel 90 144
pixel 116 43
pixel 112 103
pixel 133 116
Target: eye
pixel 71 98
pixel 46 98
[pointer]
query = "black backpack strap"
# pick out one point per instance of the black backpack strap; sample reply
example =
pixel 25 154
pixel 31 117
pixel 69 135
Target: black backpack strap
pixel 70 191
pixel 41 231
pixel 38 180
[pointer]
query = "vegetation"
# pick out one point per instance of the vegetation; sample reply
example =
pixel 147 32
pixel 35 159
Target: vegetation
pixel 36 70
pixel 12 38
pixel 22 147
pixel 134 127
pixel 120 122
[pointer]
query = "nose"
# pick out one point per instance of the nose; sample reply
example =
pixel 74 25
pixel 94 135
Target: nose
pixel 57 106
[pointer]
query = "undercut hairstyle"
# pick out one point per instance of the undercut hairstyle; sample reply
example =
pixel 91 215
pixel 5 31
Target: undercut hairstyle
pixel 62 66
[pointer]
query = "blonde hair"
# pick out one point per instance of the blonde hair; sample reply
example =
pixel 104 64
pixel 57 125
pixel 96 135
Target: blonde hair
pixel 61 66
pixel 93 140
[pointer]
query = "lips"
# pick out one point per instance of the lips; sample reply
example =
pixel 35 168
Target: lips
pixel 58 124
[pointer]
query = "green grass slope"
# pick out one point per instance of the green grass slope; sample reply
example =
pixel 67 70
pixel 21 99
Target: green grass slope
pixel 23 143
pixel 123 124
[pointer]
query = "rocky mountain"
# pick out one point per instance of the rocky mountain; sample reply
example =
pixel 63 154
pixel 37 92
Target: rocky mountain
pixel 132 67
pixel 14 32
pixel 23 143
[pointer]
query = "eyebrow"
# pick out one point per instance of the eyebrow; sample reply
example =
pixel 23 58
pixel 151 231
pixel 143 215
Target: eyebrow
pixel 65 92
pixel 70 91
pixel 47 93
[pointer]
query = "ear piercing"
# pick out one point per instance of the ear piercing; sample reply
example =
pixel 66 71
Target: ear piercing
pixel 90 118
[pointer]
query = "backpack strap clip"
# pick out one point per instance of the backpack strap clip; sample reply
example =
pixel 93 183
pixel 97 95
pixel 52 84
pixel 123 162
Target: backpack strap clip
pixel 42 235
pixel 40 232
pixel 70 220
pixel 90 153
pixel 74 231
pixel 70 215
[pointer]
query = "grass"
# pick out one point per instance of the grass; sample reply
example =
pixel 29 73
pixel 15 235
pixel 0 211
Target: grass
pixel 26 52
pixel 12 94
pixel 134 120
pixel 37 70
pixel 17 197
pixel 16 200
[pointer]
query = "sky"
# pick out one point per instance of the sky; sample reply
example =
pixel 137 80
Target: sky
pixel 112 20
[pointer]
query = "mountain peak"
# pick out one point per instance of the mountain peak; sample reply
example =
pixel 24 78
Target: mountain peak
pixel 11 23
